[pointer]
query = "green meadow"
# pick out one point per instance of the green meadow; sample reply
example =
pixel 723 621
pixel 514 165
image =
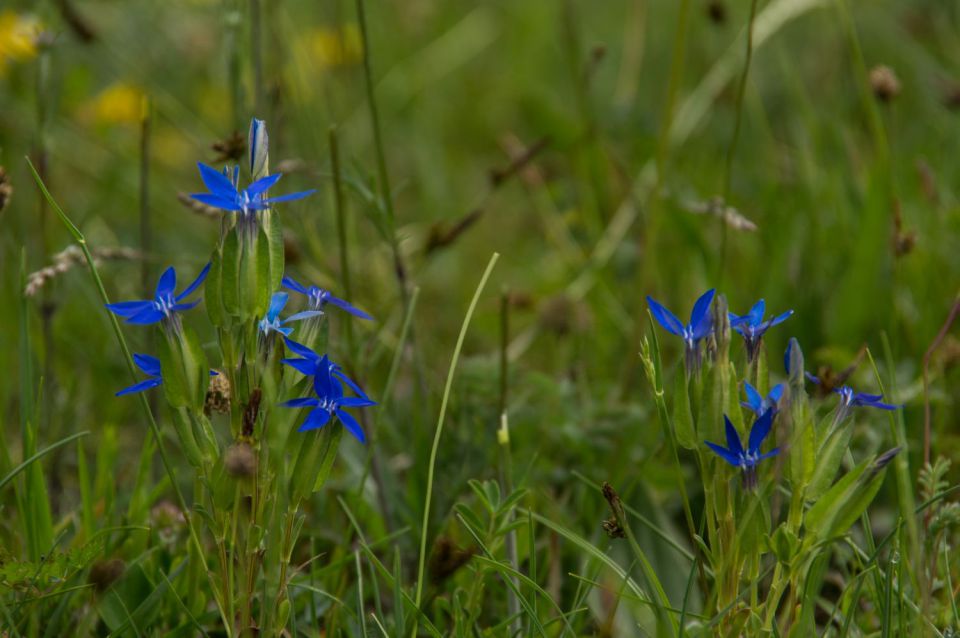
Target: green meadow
pixel 449 376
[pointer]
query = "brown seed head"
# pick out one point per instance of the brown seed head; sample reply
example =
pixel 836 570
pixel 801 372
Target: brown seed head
pixel 240 460
pixel 884 82
pixel 218 395
pixel 105 573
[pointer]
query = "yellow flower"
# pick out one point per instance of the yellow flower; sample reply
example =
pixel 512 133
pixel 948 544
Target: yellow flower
pixel 17 37
pixel 119 103
pixel 336 47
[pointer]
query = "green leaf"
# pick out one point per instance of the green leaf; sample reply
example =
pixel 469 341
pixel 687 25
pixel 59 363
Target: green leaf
pixel 273 230
pixel 196 367
pixel 842 505
pixel 230 277
pixel 828 460
pixel 213 290
pixel 682 415
pixel 175 385
pixel 264 285
pixel 328 454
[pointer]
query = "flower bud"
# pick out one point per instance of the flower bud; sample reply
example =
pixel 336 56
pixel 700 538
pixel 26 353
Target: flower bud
pixel 258 142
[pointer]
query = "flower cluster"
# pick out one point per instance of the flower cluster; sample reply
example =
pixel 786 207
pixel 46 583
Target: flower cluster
pixel 751 327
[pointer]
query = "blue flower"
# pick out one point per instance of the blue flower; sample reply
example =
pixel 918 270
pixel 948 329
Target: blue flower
pixel 271 322
pixel 752 326
pixel 151 367
pixel 746 459
pixel 850 398
pixel 328 402
pixel 312 364
pixel 701 323
pixel 164 303
pixel 225 192
pixel 319 298
pixel 758 404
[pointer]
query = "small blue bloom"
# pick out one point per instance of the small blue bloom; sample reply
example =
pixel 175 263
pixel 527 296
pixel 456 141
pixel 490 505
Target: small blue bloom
pixel 758 404
pixel 151 367
pixel 310 364
pixel 164 303
pixel 329 401
pixel 225 192
pixel 701 324
pixel 272 322
pixel 752 326
pixel 851 399
pixel 746 459
pixel 319 298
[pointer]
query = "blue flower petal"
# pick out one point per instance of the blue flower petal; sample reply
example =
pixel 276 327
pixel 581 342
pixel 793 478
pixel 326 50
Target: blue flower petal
pixel 128 309
pixel 779 319
pixel 302 350
pixel 351 424
pixel 300 316
pixel 733 439
pixel 292 284
pixel 262 185
pixel 216 182
pixel 277 302
pixel 755 316
pixel 167 283
pixel 289 197
pixel 149 364
pixel 217 201
pixel 140 387
pixel 307 367
pixel 146 317
pixel 351 383
pixel 353 310
pixel 701 320
pixel 315 420
pixel 724 453
pixel 196 283
pixel 754 400
pixel 775 393
pixel 665 318
pixel 302 402
pixel 760 430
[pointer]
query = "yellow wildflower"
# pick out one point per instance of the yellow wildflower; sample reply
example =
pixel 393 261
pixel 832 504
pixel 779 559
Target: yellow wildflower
pixel 119 103
pixel 337 47
pixel 17 37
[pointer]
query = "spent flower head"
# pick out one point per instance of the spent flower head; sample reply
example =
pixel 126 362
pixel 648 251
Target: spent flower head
pixel 164 305
pixel 701 324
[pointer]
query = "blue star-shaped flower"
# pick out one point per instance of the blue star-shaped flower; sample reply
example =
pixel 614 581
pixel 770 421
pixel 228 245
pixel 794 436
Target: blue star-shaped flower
pixel 746 459
pixel 751 326
pixel 225 192
pixel 329 401
pixel 319 298
pixel 271 322
pixel 851 399
pixel 758 404
pixel 164 303
pixel 701 323
pixel 310 364
pixel 151 367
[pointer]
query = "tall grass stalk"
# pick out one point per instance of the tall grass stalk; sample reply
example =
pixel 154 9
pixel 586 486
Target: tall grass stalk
pixel 421 563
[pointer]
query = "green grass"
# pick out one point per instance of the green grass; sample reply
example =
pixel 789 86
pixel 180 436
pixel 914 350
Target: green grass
pixel 581 142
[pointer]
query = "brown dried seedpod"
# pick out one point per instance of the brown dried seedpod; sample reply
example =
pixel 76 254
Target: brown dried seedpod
pixel 6 189
pixel 218 395
pixel 230 148
pixel 717 11
pixel 446 559
pixel 240 460
pixel 105 573
pixel 884 82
